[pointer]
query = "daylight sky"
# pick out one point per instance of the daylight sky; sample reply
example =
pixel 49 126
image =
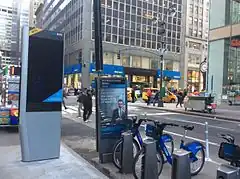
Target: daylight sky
pixel 24 3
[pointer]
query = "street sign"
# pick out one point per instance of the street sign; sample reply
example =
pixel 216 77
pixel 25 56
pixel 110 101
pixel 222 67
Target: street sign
pixel 203 67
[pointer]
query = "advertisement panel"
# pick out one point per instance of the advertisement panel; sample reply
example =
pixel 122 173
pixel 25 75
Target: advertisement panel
pixel 45 71
pixel 112 115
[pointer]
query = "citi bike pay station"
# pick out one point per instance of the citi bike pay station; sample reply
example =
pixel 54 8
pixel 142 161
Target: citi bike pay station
pixel 40 94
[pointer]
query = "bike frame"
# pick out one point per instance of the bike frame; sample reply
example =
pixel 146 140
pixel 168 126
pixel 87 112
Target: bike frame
pixel 192 147
pixel 136 133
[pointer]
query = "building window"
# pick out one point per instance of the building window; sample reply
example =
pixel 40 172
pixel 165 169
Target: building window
pixel 194 45
pixel 136 62
pixel 190 30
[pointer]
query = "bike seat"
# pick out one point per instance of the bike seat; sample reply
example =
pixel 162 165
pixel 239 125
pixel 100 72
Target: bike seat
pixel 187 127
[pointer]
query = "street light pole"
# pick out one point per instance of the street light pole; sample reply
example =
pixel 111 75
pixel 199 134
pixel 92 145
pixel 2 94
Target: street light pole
pixel 171 12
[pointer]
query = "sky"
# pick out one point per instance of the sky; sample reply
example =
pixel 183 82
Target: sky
pixel 24 3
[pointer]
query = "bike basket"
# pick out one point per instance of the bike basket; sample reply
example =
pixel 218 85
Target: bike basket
pixel 229 152
pixel 151 131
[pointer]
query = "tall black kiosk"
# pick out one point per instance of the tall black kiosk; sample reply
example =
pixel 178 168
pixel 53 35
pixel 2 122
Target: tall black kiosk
pixel 41 94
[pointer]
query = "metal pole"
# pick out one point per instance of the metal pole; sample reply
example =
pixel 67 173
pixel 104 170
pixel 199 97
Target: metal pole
pixel 127 153
pixel 149 160
pixel 98 35
pixel 161 68
pixel 181 165
pixel 206 141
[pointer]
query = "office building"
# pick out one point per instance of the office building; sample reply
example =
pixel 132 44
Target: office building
pixel 128 26
pixel 195 48
pixel 13 15
pixel 224 47
pixel 34 4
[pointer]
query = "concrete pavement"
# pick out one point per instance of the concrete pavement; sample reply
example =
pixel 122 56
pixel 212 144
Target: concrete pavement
pixel 69 165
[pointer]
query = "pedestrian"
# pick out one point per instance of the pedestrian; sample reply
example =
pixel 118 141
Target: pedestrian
pixel 80 103
pixel 149 95
pixel 87 106
pixel 133 96
pixel 180 99
pixel 64 96
pixel 156 97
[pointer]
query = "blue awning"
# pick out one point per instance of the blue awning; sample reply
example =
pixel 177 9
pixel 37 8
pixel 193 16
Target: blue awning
pixel 176 75
pixel 67 70
pixel 77 68
pixel 109 69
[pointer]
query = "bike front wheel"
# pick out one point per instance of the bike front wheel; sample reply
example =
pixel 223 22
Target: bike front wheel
pixel 116 155
pixel 138 166
pixel 197 166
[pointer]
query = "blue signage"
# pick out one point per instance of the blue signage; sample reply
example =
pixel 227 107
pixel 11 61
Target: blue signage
pixel 107 69
pixel 176 75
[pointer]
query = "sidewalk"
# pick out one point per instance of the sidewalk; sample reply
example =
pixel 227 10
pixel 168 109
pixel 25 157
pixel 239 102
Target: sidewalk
pixel 69 165
pixel 223 112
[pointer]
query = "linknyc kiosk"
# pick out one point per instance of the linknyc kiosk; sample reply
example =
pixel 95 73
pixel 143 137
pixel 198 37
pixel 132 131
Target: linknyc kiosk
pixel 41 94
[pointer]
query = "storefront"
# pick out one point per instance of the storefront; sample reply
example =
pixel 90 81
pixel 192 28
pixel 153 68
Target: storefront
pixel 138 77
pixel 72 74
pixel 171 78
pixel 194 78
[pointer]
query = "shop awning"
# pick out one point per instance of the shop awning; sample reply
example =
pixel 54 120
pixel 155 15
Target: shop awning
pixel 77 68
pixel 67 70
pixel 109 69
pixel 176 75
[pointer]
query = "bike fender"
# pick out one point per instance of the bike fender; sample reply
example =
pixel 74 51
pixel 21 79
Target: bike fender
pixel 194 147
pixel 166 138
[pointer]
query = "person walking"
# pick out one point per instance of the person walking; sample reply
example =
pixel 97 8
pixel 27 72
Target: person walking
pixel 180 99
pixel 149 95
pixel 156 98
pixel 64 96
pixel 87 106
pixel 133 96
pixel 80 103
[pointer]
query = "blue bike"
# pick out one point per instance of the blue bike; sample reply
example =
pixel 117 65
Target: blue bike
pixel 137 142
pixel 156 131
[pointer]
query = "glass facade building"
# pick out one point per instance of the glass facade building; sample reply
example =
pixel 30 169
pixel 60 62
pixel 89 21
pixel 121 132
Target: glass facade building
pixel 127 26
pixel 224 47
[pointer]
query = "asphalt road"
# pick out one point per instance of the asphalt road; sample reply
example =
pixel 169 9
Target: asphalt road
pixel 215 126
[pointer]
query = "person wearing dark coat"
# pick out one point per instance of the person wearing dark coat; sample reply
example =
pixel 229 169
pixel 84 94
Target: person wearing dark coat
pixel 87 106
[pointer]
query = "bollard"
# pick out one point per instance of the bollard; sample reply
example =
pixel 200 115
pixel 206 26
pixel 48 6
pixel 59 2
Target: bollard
pixel 227 172
pixel 127 153
pixel 207 142
pixel 149 160
pixel 181 165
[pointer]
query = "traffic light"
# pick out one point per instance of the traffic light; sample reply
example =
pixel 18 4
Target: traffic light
pixel 118 56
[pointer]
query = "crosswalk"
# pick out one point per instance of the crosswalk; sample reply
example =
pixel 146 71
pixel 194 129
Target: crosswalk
pixel 73 109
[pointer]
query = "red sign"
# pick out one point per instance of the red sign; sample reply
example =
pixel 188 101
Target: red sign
pixel 235 43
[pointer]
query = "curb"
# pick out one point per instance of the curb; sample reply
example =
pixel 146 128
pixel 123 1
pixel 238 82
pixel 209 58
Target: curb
pixel 92 162
pixel 191 113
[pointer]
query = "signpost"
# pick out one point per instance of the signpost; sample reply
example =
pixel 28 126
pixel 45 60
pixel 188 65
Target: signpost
pixel 111 118
pixel 41 94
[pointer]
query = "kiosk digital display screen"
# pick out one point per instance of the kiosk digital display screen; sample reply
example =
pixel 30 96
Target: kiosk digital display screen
pixel 45 71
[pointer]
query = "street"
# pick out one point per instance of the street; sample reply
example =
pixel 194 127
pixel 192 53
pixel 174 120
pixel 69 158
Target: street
pixel 80 136
pixel 215 127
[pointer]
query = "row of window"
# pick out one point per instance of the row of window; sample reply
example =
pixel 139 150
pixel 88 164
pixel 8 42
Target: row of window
pixel 173 45
pixel 142 4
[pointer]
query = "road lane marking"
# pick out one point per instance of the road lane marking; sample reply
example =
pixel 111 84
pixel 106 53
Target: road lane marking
pixel 194 115
pixel 202 124
pixel 192 138
pixel 188 137
pixel 159 114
